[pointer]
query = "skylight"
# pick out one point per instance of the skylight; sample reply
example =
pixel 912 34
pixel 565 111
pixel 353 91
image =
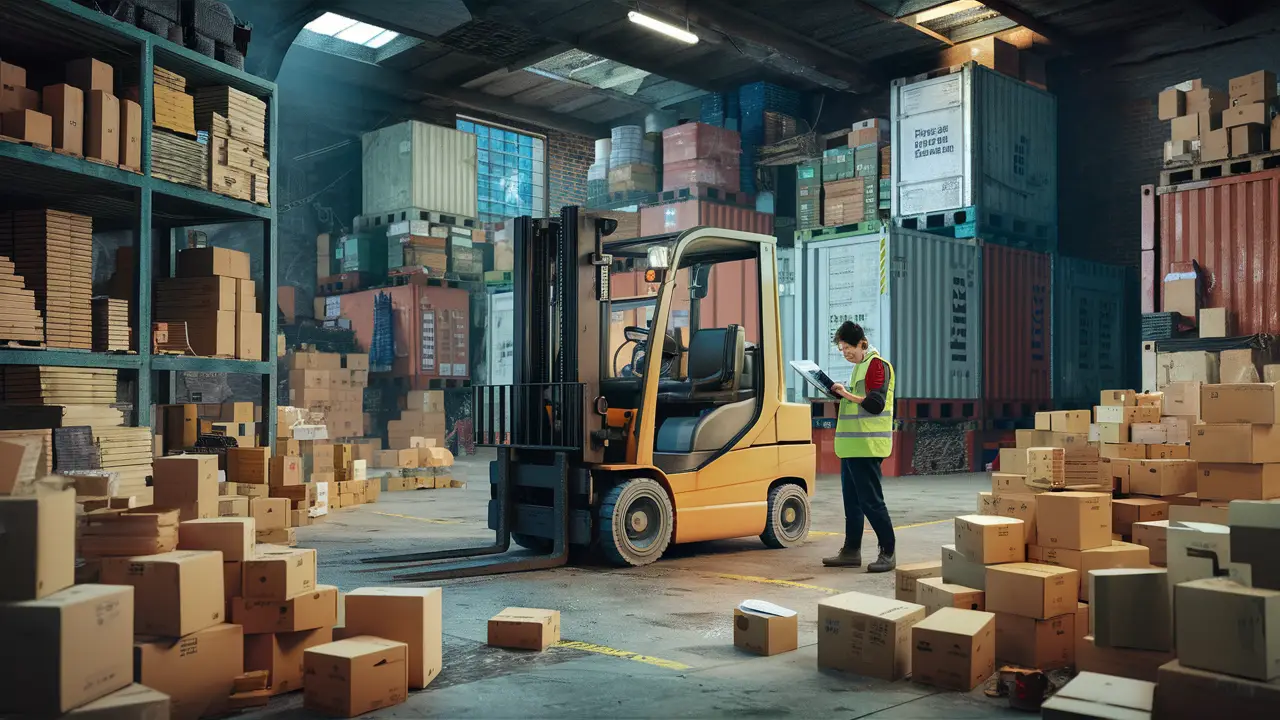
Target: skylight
pixel 352 31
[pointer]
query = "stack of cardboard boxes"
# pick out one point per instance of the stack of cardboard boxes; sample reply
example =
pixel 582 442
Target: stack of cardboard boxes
pixel 215 295
pixel 331 386
pixel 1208 125
pixel 423 417
pixel 700 155
pixel 236 123
pixel 852 176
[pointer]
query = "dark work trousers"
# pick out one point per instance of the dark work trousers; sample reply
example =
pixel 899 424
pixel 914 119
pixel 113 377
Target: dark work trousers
pixel 863 496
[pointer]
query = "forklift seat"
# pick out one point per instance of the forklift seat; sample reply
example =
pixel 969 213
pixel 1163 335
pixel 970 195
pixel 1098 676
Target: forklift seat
pixel 715 360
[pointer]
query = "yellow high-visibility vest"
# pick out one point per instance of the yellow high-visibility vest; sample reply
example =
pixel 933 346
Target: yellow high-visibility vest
pixel 859 433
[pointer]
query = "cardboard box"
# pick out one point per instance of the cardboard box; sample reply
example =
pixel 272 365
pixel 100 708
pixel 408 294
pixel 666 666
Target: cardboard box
pixel 355 676
pixel 1169 452
pixel 1032 642
pixel 1118 554
pixel 286 470
pixel 1117 397
pixel 306 611
pixel 1044 421
pixel 953 649
pixel 1178 292
pixel 208 262
pixel 270 513
pixel 18 98
pixel 1070 421
pixel 935 594
pixel 1121 662
pixel 867 635
pixel 232 582
pixel 246 296
pixel 408 615
pixel 990 539
pixel 959 569
pixel 45 667
pixel 1074 520
pixel 249 336
pixel 1046 467
pixel 525 629
pixel 1094 695
pixel 1236 443
pixel 1130 608
pixel 1182 399
pixel 1113 432
pixel 1016 506
pixel 188 483
pixel 1185 128
pixel 130 135
pixel 281 655
pixel 1171 103
pixel 89 74
pixel 197 672
pixel 135 702
pixel 1196 550
pixel 1217 481
pixel 1240 366
pixel 908 576
pixel 1125 414
pixel 1127 511
pixel 65 105
pixel 1114 472
pixel 1004 483
pixel 28 126
pixel 280 573
pixel 1160 478
pixel 1184 693
pixel 764 628
pixel 1245 114
pixel 1031 590
pixel 1149 433
pixel 102 127
pixel 38 544
pixel 284 537
pixel 1133 451
pixel 233 506
pixel 1226 627
pixel 248 465
pixel 1190 366
pixel 1207 100
pixel 1240 403
pixel 175 593
pixel 1213 321
pixel 12 75
pixel 1153 535
pixel 231 536
pixel 1255 533
pixel 1256 87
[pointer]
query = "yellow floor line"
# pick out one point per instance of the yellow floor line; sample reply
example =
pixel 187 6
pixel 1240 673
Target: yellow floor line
pixel 823 533
pixel 869 531
pixel 785 583
pixel 434 521
pixel 623 654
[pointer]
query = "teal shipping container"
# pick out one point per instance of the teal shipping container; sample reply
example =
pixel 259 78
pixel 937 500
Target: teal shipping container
pixel 363 251
pixel 1094 331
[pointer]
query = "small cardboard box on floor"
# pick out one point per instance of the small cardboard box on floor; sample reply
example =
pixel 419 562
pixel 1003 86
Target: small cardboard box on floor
pixel 408 615
pixel 282 655
pixel 525 629
pixel 907 576
pixel 1095 695
pixel 953 649
pixel 848 622
pixel 197 672
pixel 354 676
pixel 1033 642
pixel 764 628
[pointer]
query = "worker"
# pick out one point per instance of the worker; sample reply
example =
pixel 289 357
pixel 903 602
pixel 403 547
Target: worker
pixel 864 437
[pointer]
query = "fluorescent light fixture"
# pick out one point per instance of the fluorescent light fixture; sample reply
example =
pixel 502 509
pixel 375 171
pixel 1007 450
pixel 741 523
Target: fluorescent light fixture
pixel 667 29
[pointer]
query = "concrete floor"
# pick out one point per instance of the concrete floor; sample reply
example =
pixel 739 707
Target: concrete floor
pixel 654 641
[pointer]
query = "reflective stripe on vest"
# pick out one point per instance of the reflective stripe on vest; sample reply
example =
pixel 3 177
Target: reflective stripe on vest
pixel 861 434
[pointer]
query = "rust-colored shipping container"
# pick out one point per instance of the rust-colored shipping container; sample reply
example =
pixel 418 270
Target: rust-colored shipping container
pixel 676 216
pixel 1231 227
pixel 1015 324
pixel 431 327
pixel 733 296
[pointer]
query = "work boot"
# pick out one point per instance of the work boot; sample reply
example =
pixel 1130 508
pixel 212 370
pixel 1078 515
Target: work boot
pixel 848 557
pixel 885 562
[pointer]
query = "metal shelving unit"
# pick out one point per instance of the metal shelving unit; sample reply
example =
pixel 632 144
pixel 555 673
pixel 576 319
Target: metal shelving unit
pixel 117 199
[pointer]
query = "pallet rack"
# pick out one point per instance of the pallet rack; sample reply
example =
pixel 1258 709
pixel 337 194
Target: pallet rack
pixel 152 208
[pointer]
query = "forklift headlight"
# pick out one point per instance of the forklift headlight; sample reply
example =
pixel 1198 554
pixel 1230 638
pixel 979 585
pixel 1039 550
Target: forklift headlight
pixel 659 257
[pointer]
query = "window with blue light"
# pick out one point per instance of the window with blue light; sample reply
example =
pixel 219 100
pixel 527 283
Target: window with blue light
pixel 511 171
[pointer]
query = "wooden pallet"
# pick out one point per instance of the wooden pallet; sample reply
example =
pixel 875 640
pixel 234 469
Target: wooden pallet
pixel 1197 172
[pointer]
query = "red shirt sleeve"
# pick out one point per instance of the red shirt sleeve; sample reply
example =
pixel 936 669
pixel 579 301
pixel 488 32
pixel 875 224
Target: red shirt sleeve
pixel 875 379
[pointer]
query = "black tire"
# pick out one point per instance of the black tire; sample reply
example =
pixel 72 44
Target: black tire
pixel 788 522
pixel 636 523
pixel 531 542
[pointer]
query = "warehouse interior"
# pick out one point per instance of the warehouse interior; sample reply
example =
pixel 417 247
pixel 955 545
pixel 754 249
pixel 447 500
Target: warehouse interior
pixel 324 327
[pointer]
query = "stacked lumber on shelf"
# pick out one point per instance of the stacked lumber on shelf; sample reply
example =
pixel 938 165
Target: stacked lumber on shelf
pixel 111 324
pixel 178 159
pixel 170 80
pixel 53 252
pixel 20 321
pixel 128 452
pixel 236 123
pixel 38 385
pixel 174 108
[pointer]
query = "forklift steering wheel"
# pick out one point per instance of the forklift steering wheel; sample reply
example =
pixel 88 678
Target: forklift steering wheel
pixel 670 351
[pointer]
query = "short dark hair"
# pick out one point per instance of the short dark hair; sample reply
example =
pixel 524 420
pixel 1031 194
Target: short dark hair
pixel 850 333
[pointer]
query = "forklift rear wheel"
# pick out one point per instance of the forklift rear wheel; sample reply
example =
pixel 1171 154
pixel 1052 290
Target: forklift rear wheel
pixel 635 522
pixel 532 542
pixel 788 521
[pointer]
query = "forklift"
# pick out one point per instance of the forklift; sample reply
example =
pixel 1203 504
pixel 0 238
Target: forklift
pixel 683 441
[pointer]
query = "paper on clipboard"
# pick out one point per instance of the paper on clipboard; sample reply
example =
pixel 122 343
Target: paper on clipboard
pixel 814 376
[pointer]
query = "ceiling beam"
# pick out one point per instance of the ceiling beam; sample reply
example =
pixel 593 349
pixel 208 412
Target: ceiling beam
pixel 725 17
pixel 373 77
pixel 877 12
pixel 1052 34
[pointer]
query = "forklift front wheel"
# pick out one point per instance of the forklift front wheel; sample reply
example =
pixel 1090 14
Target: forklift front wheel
pixel 788 521
pixel 636 520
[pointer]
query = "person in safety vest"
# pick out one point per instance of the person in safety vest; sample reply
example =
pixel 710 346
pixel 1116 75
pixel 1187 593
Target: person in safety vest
pixel 864 438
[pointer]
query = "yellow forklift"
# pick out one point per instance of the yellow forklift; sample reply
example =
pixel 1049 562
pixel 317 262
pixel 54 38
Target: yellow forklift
pixel 634 422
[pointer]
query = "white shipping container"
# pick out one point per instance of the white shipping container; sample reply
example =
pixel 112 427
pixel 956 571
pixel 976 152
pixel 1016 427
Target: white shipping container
pixel 416 165
pixel 976 138
pixel 500 339
pixel 918 297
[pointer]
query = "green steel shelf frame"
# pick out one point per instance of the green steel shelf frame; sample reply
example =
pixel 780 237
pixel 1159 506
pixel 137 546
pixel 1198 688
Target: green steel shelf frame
pixel 143 203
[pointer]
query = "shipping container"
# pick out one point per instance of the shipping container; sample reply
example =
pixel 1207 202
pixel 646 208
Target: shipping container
pixel 733 298
pixel 979 142
pixel 787 299
pixel 686 214
pixel 500 339
pixel 430 328
pixel 1231 227
pixel 1093 330
pixel 417 165
pixel 1016 324
pixel 918 297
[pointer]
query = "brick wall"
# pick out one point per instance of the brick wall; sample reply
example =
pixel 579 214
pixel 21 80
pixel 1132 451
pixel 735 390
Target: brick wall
pixel 568 157
pixel 1111 142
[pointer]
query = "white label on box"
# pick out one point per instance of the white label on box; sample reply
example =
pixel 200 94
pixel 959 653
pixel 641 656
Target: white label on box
pixel 310 432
